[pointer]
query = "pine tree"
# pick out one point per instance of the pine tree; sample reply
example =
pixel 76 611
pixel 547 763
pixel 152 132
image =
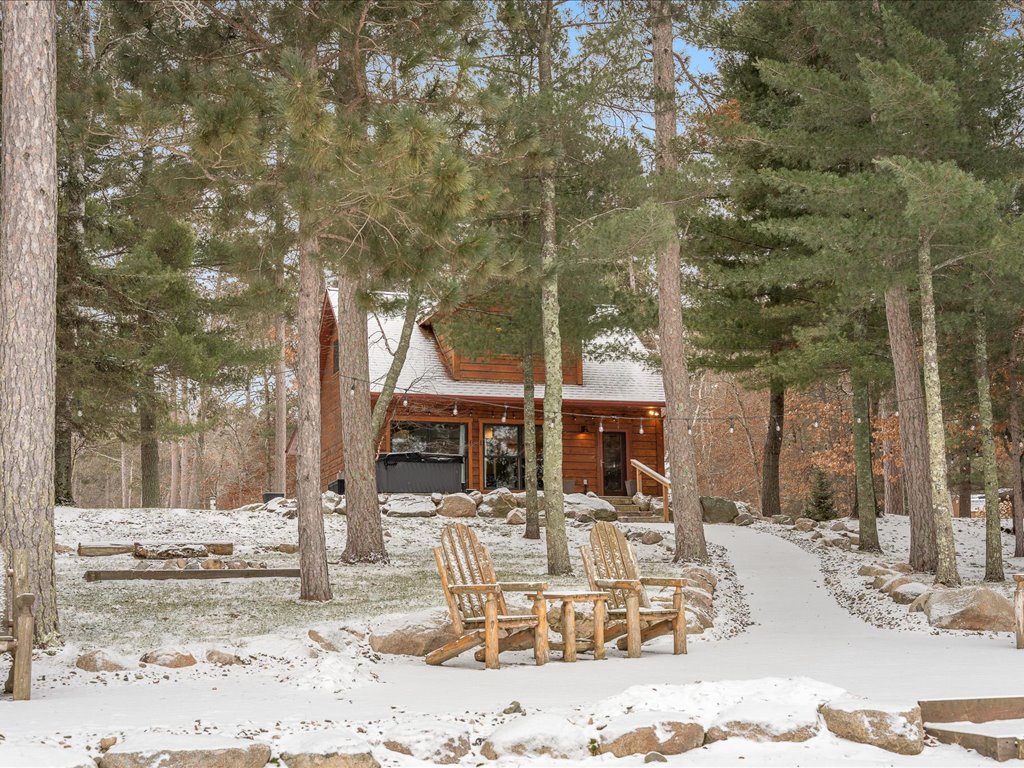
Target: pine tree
pixel 821 503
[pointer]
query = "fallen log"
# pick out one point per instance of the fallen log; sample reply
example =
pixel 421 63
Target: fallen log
pixel 219 548
pixel 179 574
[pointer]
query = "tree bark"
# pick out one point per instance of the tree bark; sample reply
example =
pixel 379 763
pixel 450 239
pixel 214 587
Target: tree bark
pixel 892 488
pixel 993 532
pixel 530 444
pixel 387 392
pixel 942 506
pixel 126 486
pixel 910 406
pixel 149 444
pixel 314 580
pixel 687 515
pixel 554 510
pixel 866 507
pixel 28 290
pixel 280 482
pixel 964 500
pixel 1016 444
pixel 174 493
pixel 365 540
pixel 771 504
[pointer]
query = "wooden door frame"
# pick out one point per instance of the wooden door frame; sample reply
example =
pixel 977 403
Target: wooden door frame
pixel 625 458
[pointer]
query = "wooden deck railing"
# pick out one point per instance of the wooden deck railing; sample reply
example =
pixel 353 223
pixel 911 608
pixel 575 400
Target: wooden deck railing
pixel 642 470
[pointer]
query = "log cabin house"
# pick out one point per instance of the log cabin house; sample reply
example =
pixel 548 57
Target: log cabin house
pixel 446 403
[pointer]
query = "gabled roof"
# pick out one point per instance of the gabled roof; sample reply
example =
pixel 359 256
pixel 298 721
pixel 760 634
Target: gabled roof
pixel 424 372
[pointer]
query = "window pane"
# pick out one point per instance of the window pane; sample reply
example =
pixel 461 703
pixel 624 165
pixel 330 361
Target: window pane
pixel 502 446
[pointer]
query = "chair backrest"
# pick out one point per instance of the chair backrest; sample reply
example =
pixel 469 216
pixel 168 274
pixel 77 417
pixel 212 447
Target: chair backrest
pixel 462 559
pixel 611 556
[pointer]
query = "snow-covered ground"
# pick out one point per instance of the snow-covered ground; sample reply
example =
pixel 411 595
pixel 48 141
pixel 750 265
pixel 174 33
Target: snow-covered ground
pixel 781 637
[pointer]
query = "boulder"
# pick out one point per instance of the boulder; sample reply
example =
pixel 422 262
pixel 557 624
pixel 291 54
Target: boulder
pixel 322 641
pixel 410 505
pixel 500 500
pixel 700 577
pixel 98 661
pixel 905 594
pixel 743 518
pixel 696 596
pixel 781 519
pixel 584 620
pixel 838 525
pixel 652 537
pixel 875 569
pixel 437 498
pixel 413 634
pixel 326 749
pixel 581 504
pixel 715 509
pixel 839 542
pixel 62 549
pixel 804 524
pixel 332 503
pixel 438 745
pixel 893 727
pixel 212 564
pixel 585 519
pixel 516 517
pixel 172 658
pixel 169 551
pixel 895 583
pixel 902 567
pixel 974 608
pixel 815 535
pixel 280 505
pixel 757 728
pixel 476 496
pixel 287 549
pixel 537 736
pixel 854 539
pixel 640 733
pixel 222 658
pixel 191 751
pixel 457 505
pixel 642 501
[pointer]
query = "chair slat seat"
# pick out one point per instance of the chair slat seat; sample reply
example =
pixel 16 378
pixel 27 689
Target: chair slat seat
pixel 645 612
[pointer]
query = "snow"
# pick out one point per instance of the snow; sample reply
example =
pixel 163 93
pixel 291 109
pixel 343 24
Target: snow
pixel 858 703
pixel 549 734
pixel 785 640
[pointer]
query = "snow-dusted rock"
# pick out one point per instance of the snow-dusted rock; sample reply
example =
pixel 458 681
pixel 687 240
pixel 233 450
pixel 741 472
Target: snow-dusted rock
pixel 191 751
pixel 642 501
pixel 838 526
pixel 287 548
pixel 875 569
pixel 781 519
pixel 409 505
pixel 905 594
pixel 539 736
pixel 477 497
pixel 715 509
pixel 457 505
pixel 437 744
pixel 762 721
pixel 169 551
pixel 222 658
pixel 436 497
pixel 500 501
pixel 895 583
pixel 977 608
pixel 580 503
pixel 172 658
pixel 652 537
pixel 326 749
pixel 804 524
pixel 698 596
pixel 98 661
pixel 287 508
pixel 700 577
pixel 837 541
pixel 516 517
pixel 413 634
pixel 893 727
pixel 743 518
pixel 584 620
pixel 638 733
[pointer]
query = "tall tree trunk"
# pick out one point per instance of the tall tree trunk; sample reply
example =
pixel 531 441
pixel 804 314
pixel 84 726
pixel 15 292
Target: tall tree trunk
pixel 993 532
pixel 387 392
pixel 892 488
pixel 1016 444
pixel 686 510
pixel 964 501
pixel 63 461
pixel 771 504
pixel 942 506
pixel 866 507
pixel 314 580
pixel 365 540
pixel 174 494
pixel 126 486
pixel 28 289
pixel 530 443
pixel 195 499
pixel 150 445
pixel 280 403
pixel 910 406
pixel 554 510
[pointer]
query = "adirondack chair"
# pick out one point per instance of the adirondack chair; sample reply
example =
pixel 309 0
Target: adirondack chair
pixel 476 602
pixel 17 620
pixel 611 565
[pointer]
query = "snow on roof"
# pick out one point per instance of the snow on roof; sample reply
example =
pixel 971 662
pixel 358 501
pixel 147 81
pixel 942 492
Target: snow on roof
pixel 604 380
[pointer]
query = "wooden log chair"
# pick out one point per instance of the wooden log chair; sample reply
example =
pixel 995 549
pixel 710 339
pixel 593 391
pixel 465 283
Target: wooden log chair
pixel 17 626
pixel 611 565
pixel 476 602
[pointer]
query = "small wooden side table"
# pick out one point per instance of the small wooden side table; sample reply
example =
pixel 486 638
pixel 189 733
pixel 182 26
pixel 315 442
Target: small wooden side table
pixel 569 600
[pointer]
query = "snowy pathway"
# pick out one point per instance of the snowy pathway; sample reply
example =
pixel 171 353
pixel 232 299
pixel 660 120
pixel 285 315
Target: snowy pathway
pixel 799 631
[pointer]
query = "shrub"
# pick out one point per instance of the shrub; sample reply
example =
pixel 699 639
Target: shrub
pixel 821 504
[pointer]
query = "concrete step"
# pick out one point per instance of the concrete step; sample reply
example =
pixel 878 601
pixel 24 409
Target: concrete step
pixel 618 499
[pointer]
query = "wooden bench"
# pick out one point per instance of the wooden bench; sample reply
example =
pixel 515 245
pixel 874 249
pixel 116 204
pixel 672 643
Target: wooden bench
pixel 17 626
pixel 611 565
pixel 476 603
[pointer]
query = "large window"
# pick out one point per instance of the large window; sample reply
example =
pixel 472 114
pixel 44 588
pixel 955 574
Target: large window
pixel 504 461
pixel 430 437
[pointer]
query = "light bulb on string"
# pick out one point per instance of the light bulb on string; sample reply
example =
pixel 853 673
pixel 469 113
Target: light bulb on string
pixel 504 416
pixel 896 413
pixel 600 426
pixel 732 427
pixel 405 402
pixel 816 424
pixel 641 427
pixel 352 390
pixel 455 410
pixel 689 427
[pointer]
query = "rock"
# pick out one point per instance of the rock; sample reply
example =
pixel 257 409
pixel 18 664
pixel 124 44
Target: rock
pixel 410 505
pixel 326 749
pixel 918 605
pixel 584 620
pixel 500 501
pixel 476 496
pixel 288 549
pixel 715 509
pixel 743 518
pixel 171 658
pixel 757 729
pixel 581 504
pixel 537 736
pixel 521 498
pixel 652 537
pixel 902 567
pixel 896 728
pixel 838 525
pixel 437 498
pixel 213 564
pixel 804 524
pixel 639 733
pixel 169 551
pixel 332 503
pixel 107 742
pixel 63 549
pixel 854 539
pixel 642 501
pixel 702 618
pixel 700 577
pixel 655 757
pixel 516 517
pixel 191 751
pixel 413 634
pixel 839 542
pixel 697 596
pixel 514 708
pixel 815 535
pixel 585 519
pixel 98 661
pixel 322 641
pixel 894 583
pixel 974 608
pixel 874 569
pixel 906 594
pixel 781 519
pixel 223 658
pixel 457 505
pixel 438 745
pixel 179 564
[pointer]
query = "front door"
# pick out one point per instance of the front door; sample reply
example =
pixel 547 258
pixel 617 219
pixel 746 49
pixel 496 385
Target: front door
pixel 613 463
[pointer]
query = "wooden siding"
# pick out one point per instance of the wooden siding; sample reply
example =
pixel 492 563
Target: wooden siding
pixel 505 369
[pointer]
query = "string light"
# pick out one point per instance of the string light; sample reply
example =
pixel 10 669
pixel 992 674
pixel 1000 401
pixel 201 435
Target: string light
pixel 504 416
pixel 405 402
pixel 896 413
pixel 352 391
pixel 79 413
pixel 641 427
pixel 732 427
pixel 455 410
pixel 816 424
pixel 689 427
pixel 600 426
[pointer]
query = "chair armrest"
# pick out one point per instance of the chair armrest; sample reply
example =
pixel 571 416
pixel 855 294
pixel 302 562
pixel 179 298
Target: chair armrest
pixel 473 589
pixel 659 581
pixel 633 584
pixel 524 586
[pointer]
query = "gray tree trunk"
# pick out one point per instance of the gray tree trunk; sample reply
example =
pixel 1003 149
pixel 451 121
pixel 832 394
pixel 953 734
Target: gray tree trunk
pixel 126 487
pixel 1016 444
pixel 686 510
pixel 28 290
pixel 315 584
pixel 149 455
pixel 554 510
pixel 174 492
pixel 530 444
pixel 910 406
pixel 892 487
pixel 993 532
pixel 942 506
pixel 280 399
pixel 771 503
pixel 364 542
pixel 387 392
pixel 866 507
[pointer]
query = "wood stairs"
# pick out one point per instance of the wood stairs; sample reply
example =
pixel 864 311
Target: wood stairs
pixel 630 512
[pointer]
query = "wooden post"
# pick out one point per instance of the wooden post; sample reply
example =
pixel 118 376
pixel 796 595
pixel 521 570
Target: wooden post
pixel 599 611
pixel 23 600
pixel 640 483
pixel 568 631
pixel 540 640
pixel 632 624
pixel 679 623
pixel 1018 609
pixel 491 632
pixel 664 502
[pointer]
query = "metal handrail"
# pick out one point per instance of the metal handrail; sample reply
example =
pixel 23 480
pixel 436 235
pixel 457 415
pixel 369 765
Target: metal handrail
pixel 642 469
